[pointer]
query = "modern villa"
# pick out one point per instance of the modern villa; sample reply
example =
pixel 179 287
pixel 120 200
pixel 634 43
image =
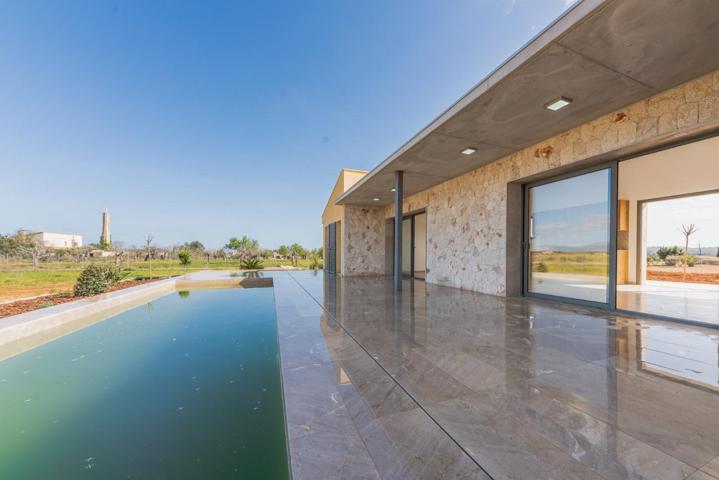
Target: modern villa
pixel 517 292
pixel 536 182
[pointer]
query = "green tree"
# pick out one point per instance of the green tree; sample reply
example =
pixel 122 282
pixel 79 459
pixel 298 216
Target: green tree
pixel 6 245
pixel 244 247
pixel 284 250
pixel 185 257
pixel 297 251
pixel 24 244
pixel 103 245
pixel 194 246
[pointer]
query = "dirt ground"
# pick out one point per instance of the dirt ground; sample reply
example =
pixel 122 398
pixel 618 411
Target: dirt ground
pixel 25 291
pixel 22 306
pixel 696 274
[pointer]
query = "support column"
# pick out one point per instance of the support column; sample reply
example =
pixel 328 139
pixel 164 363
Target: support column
pixel 398 186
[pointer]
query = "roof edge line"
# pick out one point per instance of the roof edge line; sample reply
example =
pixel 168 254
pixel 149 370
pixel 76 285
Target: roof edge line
pixel 581 10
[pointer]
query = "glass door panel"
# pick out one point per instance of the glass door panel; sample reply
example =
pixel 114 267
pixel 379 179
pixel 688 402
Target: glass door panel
pixel 420 245
pixel 331 248
pixel 569 237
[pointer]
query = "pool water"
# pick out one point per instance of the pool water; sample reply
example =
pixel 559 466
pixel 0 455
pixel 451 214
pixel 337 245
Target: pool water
pixel 185 387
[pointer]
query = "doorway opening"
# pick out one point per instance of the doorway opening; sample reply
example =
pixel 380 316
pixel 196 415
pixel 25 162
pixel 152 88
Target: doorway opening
pixel 677 273
pixel 668 233
pixel 333 231
pixel 414 245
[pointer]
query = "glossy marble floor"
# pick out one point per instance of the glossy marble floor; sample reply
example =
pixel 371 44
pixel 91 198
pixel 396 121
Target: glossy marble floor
pixel 697 302
pixel 444 383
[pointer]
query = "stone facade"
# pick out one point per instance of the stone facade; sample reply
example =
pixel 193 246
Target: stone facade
pixel 363 236
pixel 467 215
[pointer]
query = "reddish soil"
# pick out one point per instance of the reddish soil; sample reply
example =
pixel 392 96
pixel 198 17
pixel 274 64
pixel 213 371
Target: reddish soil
pixel 30 304
pixel 712 278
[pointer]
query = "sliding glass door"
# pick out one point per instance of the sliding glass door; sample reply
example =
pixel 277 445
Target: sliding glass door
pixel 568 237
pixel 414 245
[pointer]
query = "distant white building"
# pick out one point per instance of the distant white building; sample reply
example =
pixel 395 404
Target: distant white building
pixel 58 240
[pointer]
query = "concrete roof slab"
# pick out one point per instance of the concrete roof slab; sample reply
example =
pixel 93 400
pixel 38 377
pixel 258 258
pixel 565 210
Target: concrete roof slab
pixel 513 113
pixel 602 54
pixel 659 43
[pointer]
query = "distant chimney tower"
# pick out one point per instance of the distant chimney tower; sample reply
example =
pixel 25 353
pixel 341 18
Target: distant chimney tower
pixel 105 238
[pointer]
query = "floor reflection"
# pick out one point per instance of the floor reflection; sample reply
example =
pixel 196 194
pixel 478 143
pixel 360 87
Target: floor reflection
pixel 532 389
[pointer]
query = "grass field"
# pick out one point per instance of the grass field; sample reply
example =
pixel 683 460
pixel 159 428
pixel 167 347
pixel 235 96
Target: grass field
pixel 584 263
pixel 20 280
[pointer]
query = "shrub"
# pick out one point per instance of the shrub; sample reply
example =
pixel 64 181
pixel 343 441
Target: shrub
pixel 541 267
pixel 184 257
pixel 664 252
pixel 96 278
pixel 251 264
pixel 691 261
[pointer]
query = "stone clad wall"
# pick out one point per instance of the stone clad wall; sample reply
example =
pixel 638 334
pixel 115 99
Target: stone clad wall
pixel 467 215
pixel 363 241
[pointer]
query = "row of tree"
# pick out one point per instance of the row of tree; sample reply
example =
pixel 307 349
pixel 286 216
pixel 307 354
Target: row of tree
pixel 21 244
pixel 24 245
pixel 246 247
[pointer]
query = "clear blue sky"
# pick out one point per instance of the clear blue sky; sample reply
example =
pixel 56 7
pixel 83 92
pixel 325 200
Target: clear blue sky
pixel 203 120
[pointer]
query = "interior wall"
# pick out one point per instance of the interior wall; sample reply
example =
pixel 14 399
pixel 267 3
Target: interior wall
pixel 420 242
pixel 389 246
pixel 690 168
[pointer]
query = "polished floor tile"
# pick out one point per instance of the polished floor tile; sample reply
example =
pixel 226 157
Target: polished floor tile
pixel 347 417
pixel 528 389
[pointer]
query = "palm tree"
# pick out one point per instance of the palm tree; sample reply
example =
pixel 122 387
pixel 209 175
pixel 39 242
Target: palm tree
pixel 688 231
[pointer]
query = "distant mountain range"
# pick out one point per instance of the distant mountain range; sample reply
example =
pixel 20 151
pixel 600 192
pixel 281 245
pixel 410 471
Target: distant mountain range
pixel 711 251
pixel 589 247
pixel 602 247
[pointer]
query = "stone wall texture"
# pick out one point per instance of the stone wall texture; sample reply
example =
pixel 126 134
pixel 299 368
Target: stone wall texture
pixel 363 240
pixel 467 215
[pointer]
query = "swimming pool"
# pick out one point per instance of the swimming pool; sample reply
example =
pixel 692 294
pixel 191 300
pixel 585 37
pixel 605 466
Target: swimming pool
pixel 185 386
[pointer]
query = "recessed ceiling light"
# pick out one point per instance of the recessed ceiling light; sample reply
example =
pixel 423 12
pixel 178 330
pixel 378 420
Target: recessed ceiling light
pixel 468 151
pixel 376 199
pixel 555 105
pixel 394 190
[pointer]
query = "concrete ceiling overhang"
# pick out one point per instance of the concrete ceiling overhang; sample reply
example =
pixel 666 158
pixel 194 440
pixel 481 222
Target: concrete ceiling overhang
pixel 602 54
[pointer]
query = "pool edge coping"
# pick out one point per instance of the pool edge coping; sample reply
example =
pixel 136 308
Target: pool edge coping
pixel 23 325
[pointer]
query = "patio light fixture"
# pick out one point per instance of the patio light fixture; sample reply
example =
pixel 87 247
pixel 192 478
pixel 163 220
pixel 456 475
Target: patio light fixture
pixel 558 103
pixel 469 151
pixel 376 199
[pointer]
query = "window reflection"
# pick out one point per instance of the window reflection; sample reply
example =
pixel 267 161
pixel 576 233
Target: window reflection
pixel 569 237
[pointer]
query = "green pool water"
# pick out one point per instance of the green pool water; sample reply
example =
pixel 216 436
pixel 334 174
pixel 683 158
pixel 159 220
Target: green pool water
pixel 185 387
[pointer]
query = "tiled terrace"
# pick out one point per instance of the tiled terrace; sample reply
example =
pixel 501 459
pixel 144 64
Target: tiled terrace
pixel 445 383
